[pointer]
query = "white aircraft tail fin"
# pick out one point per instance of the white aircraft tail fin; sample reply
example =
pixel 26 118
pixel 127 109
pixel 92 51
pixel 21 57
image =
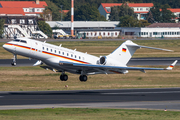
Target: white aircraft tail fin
pixel 172 65
pixel 126 50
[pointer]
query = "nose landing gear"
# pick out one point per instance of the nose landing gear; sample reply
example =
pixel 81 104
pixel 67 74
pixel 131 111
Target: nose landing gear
pixel 13 63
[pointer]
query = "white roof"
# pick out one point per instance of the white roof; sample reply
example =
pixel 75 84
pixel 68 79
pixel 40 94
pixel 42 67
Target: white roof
pixel 83 24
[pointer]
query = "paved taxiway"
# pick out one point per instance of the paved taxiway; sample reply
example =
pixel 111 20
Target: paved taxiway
pixel 166 98
pixel 133 61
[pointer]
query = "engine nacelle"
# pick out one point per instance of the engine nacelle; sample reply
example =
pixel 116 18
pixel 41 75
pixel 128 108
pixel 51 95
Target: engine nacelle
pixel 103 60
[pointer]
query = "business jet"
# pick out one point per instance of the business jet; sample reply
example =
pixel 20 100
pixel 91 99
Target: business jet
pixel 60 59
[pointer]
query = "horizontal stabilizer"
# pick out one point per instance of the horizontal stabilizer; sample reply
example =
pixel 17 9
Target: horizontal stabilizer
pixel 150 47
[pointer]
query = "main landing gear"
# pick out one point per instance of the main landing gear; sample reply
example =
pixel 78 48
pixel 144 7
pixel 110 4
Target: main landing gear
pixel 83 78
pixel 64 77
pixel 13 63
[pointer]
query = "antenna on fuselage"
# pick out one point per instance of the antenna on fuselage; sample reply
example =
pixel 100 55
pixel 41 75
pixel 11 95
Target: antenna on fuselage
pixel 45 41
pixel 60 45
pixel 74 49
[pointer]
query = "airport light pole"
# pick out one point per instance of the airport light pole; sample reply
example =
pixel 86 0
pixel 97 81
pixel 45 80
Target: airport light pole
pixel 72 17
pixel 61 12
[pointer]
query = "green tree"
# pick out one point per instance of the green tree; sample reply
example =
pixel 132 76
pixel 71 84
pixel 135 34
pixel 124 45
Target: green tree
pixel 160 14
pixel 130 21
pixel 126 10
pixel 56 16
pixel 1 27
pixel 44 27
pixel 86 13
pixel 119 11
pixel 114 15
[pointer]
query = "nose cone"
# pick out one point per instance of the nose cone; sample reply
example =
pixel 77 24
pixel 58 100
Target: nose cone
pixel 7 47
pixel 4 46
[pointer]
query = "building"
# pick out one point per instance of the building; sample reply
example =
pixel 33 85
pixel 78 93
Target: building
pixel 141 9
pixel 22 8
pixel 156 30
pixel 78 25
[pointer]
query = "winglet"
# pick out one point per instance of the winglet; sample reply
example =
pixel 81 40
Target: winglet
pixel 172 65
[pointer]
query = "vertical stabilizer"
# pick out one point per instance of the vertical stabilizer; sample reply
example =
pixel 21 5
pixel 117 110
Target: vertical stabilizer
pixel 124 52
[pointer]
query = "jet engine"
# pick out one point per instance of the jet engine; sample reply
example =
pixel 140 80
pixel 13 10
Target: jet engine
pixel 103 60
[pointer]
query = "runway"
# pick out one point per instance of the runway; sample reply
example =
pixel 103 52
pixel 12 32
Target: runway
pixel 166 98
pixel 123 98
pixel 133 61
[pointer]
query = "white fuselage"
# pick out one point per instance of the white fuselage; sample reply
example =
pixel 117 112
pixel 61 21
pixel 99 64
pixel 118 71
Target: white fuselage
pixel 48 53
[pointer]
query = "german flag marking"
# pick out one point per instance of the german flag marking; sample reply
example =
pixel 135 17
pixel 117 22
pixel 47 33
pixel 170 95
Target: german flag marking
pixel 124 49
pixel 171 66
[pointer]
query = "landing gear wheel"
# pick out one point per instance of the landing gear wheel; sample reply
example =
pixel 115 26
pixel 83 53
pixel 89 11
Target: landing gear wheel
pixel 83 78
pixel 63 77
pixel 13 64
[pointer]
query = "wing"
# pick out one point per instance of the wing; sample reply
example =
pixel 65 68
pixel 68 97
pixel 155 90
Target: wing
pixel 89 68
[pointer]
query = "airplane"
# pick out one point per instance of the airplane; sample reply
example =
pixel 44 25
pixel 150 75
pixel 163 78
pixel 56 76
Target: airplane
pixel 60 59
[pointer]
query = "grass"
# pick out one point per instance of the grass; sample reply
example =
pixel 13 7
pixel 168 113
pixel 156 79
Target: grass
pixel 88 114
pixel 106 47
pixel 38 79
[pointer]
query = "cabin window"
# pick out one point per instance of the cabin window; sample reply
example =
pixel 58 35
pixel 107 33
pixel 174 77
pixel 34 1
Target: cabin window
pixel 63 53
pixel 51 50
pixel 67 54
pixel 71 55
pixel 47 49
pixel 79 57
pixel 59 52
pixel 55 51
pixel 43 48
pixel 75 56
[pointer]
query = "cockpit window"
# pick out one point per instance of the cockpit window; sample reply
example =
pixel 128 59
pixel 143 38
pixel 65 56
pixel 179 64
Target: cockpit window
pixel 23 41
pixel 16 40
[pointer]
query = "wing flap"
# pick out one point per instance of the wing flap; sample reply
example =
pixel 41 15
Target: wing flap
pixel 104 67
